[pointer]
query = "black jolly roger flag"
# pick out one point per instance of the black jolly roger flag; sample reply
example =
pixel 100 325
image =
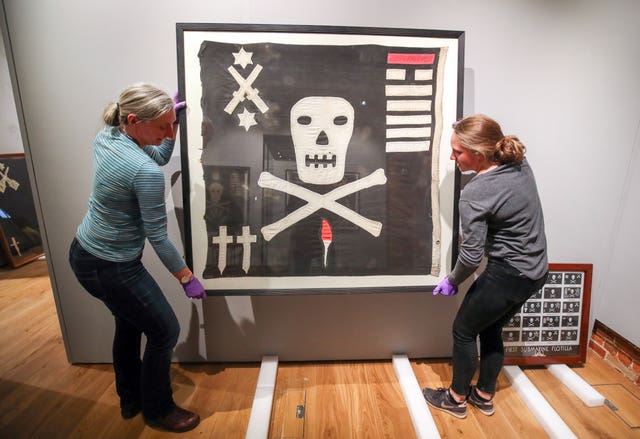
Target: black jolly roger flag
pixel 317 159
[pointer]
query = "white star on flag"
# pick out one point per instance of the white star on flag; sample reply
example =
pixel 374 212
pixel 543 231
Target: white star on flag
pixel 242 57
pixel 247 119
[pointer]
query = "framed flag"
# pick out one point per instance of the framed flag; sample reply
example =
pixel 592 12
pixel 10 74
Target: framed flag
pixel 332 147
pixel 19 231
pixel 552 327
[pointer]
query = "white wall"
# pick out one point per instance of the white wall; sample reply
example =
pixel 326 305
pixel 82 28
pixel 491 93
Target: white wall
pixel 10 139
pixel 562 75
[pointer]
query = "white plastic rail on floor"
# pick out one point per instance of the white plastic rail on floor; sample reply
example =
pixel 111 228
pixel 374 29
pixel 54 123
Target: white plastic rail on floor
pixel 583 390
pixel 263 399
pixel 541 409
pixel 420 415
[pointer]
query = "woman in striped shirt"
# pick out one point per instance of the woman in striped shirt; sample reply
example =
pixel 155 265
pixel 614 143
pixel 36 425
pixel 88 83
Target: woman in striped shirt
pixel 126 208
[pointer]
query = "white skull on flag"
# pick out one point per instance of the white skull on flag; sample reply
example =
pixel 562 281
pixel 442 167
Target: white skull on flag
pixel 321 128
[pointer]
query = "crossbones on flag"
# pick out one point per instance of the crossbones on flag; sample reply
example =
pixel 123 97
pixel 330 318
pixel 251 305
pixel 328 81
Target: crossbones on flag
pixel 260 102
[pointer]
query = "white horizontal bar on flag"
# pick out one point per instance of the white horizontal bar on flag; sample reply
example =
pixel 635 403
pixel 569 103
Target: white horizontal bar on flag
pixel 409 90
pixel 396 74
pixel 407 105
pixel 394 133
pixel 410 119
pixel 409 146
pixel 424 75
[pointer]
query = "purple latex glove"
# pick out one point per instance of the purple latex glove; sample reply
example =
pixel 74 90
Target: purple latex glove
pixel 194 289
pixel 445 288
pixel 179 105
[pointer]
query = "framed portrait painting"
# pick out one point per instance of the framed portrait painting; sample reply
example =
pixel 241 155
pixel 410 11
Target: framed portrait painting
pixel 328 151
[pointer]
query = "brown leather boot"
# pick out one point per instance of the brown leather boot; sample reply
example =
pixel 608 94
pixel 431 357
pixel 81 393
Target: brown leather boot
pixel 177 421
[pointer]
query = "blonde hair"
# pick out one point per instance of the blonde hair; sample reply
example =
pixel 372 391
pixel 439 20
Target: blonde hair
pixel 146 101
pixel 483 135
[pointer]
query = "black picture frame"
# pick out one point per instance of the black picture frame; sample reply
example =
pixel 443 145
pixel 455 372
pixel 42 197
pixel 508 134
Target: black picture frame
pixel 552 327
pixel 19 230
pixel 399 90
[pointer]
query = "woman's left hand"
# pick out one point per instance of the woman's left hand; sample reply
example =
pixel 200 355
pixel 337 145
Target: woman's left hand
pixel 179 105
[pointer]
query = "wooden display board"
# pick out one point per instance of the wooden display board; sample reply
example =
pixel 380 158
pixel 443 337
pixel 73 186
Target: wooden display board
pixel 552 326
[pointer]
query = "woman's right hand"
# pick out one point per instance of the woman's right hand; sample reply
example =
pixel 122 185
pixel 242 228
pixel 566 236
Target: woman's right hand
pixel 194 289
pixel 446 288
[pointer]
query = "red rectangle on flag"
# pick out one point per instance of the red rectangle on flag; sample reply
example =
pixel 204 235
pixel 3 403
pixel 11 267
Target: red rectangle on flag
pixel 410 58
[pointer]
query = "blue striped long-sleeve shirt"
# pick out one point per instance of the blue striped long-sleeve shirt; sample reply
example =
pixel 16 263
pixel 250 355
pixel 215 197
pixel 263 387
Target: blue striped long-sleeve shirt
pixel 127 201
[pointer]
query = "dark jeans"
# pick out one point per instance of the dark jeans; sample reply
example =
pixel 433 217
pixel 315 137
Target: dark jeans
pixel 492 300
pixel 139 307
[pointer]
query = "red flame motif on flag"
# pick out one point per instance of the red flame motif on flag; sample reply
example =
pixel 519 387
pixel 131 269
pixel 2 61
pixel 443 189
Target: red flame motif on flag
pixel 325 232
pixel 327 236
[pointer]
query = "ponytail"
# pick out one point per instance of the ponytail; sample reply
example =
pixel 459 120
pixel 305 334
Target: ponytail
pixel 111 115
pixel 509 149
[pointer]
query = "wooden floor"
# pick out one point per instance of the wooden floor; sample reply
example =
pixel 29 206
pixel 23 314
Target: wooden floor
pixel 42 396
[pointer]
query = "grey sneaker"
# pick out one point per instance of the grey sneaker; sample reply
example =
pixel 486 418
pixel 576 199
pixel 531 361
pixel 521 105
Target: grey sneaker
pixel 485 407
pixel 441 399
